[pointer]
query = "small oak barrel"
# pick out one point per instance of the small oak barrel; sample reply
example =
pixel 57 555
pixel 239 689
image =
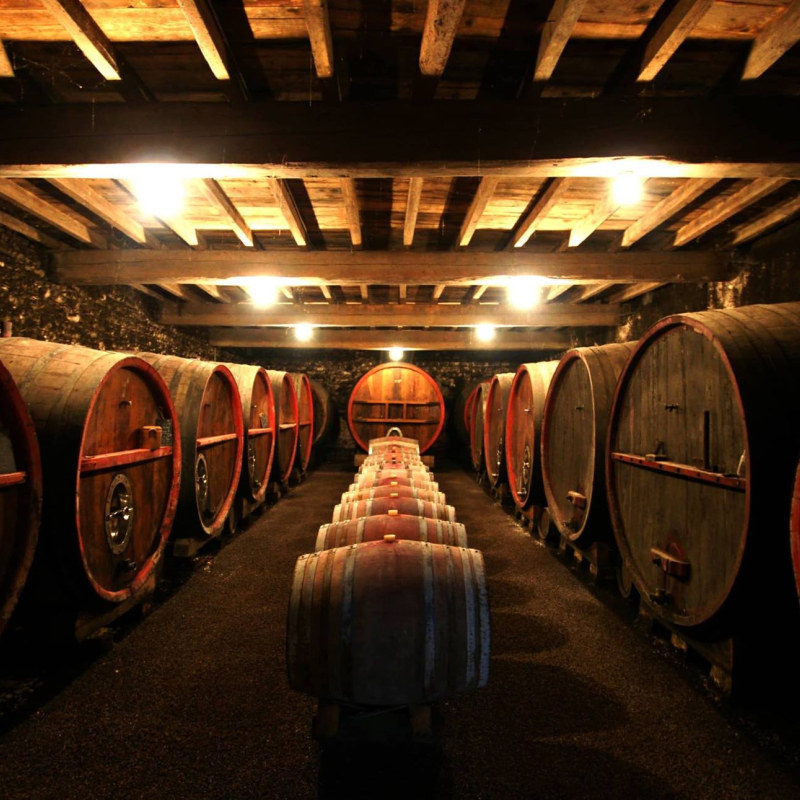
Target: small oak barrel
pixel 523 424
pixel 210 412
pixel 476 424
pixel 258 416
pixel 111 464
pixel 573 440
pixel 702 445
pixel 494 428
pixel 20 494
pixel 395 491
pixel 390 460
pixel 393 444
pixel 420 472
pixel 305 419
pixel 388 623
pixel 326 416
pixel 396 394
pixel 403 526
pixel 393 506
pixel 375 481
pixel 286 415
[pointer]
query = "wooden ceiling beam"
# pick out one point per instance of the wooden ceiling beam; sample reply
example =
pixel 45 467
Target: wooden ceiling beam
pixel 29 232
pixel 215 194
pixel 364 291
pixel 326 292
pixel 628 293
pixel 29 201
pixel 178 290
pixel 552 292
pixel 438 291
pixel 775 216
pixel 146 290
pixel 441 24
pixel 585 227
pixel 666 209
pixel 301 267
pixel 412 210
pixel 82 193
pixel 555 35
pixel 726 208
pixel 776 39
pixel 476 208
pixel 73 16
pixel 288 208
pixel 212 290
pixel 480 291
pixel 367 315
pixel 383 340
pixel 6 68
pixel 591 290
pixel 668 37
pixel 350 199
pixel 180 227
pixel 402 293
pixel 207 34
pixel 319 34
pixel 741 136
pixel 528 223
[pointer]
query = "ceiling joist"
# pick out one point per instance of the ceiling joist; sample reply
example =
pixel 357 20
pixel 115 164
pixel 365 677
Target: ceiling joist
pixel 412 210
pixel 288 207
pixel 319 35
pixel 775 40
pixel 351 210
pixel 441 24
pixel 482 196
pixel 209 38
pixel 6 68
pixel 555 35
pixel 775 216
pixel 215 194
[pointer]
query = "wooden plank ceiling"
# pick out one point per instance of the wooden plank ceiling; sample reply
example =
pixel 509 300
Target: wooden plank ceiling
pixel 422 154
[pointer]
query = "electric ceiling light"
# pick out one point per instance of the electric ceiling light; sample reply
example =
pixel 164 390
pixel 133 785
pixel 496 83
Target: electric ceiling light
pixel 524 292
pixel 627 189
pixel 485 332
pixel 159 191
pixel 303 332
pixel 263 291
pixel 396 353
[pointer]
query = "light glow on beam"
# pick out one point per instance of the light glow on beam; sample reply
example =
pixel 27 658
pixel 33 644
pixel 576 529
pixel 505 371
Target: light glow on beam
pixel 626 189
pixel 303 332
pixel 396 353
pixel 160 192
pixel 485 332
pixel 263 291
pixel 525 291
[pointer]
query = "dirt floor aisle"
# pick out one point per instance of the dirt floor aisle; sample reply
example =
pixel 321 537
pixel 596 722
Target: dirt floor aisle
pixel 194 701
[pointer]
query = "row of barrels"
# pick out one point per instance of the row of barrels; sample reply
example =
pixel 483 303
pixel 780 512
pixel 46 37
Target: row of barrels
pixel 103 455
pixel 680 450
pixel 391 610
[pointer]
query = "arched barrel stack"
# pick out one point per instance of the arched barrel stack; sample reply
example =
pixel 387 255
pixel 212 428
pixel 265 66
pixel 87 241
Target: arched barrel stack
pixel 209 408
pixel 111 465
pixel 20 494
pixel 525 409
pixel 258 419
pixel 702 447
pixel 305 420
pixel 396 394
pixel 286 418
pixel 573 441
pixel 494 428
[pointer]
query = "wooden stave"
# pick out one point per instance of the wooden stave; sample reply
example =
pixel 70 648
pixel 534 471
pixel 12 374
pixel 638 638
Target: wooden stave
pixel 494 427
pixel 189 380
pixel 366 482
pixel 325 415
pixel 538 374
pixel 62 414
pixel 400 491
pixel 402 526
pixel 305 408
pixel 245 376
pixel 364 662
pixel 283 463
pixel 363 442
pixel 603 365
pixel 393 506
pixel 746 601
pixel 476 427
pixel 27 459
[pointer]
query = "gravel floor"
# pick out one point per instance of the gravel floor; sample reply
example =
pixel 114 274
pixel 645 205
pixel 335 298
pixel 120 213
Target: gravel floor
pixel 194 702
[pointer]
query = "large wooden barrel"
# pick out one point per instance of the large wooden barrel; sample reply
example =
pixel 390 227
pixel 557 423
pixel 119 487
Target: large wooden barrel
pixel 573 440
pixel 703 441
pixel 210 412
pixel 395 491
pixel 477 421
pixel 326 416
pixel 393 506
pixel 388 623
pixel 111 465
pixel 396 394
pixel 305 419
pixel 373 481
pixel 20 494
pixel 523 423
pixel 494 428
pixel 403 526
pixel 286 415
pixel 258 416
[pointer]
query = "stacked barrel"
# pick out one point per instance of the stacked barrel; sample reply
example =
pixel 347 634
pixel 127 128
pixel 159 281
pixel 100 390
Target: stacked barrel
pixel 391 610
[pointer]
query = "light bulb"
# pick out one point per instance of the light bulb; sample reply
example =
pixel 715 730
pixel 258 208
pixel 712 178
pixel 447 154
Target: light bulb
pixel 159 192
pixel 485 332
pixel 627 189
pixel 524 292
pixel 263 291
pixel 396 354
pixel 303 332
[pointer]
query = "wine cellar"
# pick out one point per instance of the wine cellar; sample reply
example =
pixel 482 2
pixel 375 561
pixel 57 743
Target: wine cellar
pixel 399 399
